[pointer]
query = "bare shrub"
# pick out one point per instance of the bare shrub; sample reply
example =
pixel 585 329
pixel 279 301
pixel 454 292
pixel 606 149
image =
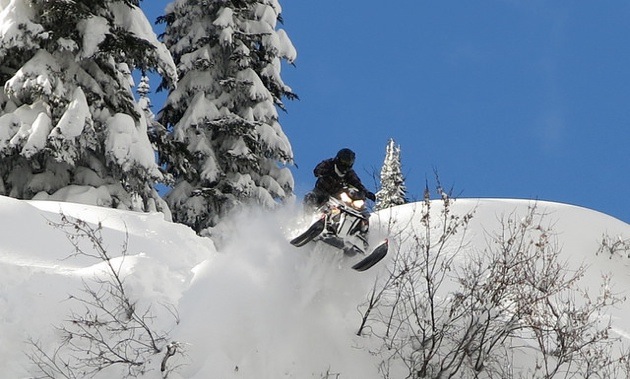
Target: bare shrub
pixel 514 309
pixel 110 329
pixel 614 246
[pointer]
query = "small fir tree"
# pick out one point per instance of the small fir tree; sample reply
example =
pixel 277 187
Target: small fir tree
pixel 143 90
pixel 70 128
pixel 154 130
pixel 144 102
pixel 227 146
pixel 393 191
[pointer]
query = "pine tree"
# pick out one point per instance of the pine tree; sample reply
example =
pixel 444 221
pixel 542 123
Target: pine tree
pixel 227 146
pixel 154 130
pixel 144 88
pixel 70 128
pixel 393 191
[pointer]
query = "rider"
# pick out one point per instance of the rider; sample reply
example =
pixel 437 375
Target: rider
pixel 332 175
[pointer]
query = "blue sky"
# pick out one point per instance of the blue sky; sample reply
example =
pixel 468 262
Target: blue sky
pixel 504 98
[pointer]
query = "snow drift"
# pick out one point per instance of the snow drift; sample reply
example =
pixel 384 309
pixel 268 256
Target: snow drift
pixel 252 306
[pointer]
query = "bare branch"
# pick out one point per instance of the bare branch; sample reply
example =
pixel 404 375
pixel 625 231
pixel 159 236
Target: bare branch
pixel 110 330
pixel 447 311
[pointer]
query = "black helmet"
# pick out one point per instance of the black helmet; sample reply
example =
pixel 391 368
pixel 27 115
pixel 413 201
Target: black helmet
pixel 344 159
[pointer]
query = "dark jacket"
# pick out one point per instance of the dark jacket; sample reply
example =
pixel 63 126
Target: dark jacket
pixel 329 182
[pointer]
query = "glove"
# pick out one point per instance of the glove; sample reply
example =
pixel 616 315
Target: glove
pixel 370 195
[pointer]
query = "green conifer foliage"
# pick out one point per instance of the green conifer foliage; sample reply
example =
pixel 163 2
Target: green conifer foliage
pixel 227 146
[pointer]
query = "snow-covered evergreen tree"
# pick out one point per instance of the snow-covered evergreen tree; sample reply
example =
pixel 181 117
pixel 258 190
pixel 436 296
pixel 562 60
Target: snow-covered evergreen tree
pixel 144 102
pixel 144 88
pixel 70 128
pixel 228 147
pixel 393 191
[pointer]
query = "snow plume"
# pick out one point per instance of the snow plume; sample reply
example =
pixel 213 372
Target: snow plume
pixel 257 279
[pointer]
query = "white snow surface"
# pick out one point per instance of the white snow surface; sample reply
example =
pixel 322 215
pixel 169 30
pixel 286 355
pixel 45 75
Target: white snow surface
pixel 252 307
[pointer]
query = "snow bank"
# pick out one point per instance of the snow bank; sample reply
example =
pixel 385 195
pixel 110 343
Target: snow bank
pixel 37 277
pixel 579 232
pixel 254 306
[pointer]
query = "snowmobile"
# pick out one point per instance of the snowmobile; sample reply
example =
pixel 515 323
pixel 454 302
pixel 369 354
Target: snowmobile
pixel 342 222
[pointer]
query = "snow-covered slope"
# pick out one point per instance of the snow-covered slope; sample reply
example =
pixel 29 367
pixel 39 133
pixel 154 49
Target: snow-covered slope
pixel 254 306
pixel 37 276
pixel 579 233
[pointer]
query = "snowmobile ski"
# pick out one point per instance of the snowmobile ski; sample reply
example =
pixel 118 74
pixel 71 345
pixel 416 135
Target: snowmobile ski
pixel 377 255
pixel 309 234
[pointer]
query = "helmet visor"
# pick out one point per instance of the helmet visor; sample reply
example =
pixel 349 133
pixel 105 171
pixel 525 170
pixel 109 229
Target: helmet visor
pixel 344 164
